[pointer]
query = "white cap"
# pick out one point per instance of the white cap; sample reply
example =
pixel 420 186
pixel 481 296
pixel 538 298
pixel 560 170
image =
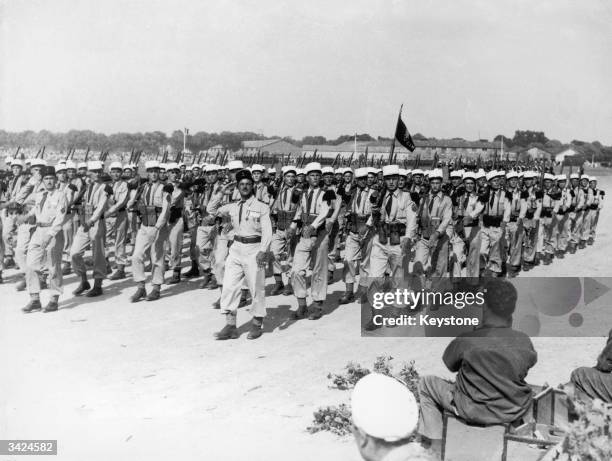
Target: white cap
pixel 511 174
pixel 313 166
pixel 196 165
pixel 327 170
pixel 8 160
pixel 150 164
pixel 348 170
pixel 127 166
pixel 258 167
pixel 574 176
pixel 372 170
pixel 181 165
pixel 548 176
pixel 61 166
pixel 529 174
pixel 417 171
pixel 403 172
pixel 584 176
pixel 271 170
pixel 81 165
pixel 38 162
pixel 172 166
pixel 187 168
pixel 162 166
pixel 494 174
pixel 469 175
pixel 211 168
pixel 456 174
pixel 70 165
pixel 116 166
pixel 361 172
pixel 95 165
pixel 390 170
pixel 235 165
pixel 300 171
pixel 436 174
pixel 384 408
pixel 28 160
pixel 592 178
pixel 17 162
pixel 480 174
pixel 561 177
pixel 288 168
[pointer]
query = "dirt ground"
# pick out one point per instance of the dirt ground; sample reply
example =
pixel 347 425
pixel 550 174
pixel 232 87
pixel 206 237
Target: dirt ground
pixel 114 380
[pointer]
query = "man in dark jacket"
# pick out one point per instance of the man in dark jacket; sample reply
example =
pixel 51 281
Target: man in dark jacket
pixel 595 382
pixel 491 363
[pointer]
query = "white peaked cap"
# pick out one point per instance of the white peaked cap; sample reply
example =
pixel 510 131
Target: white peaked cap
pixel 38 162
pixel 313 166
pixel 403 172
pixel 61 166
pixel 549 176
pixel 511 174
pixel 361 172
pixel 149 164
pixel 327 170
pixel 172 166
pixel 289 168
pixel 417 171
pixel 116 166
pixel 436 174
pixel 82 165
pixel 271 170
pixel 574 176
pixel 70 165
pixel 384 408
pixel 95 165
pixel 469 175
pixel 390 170
pixel 257 167
pixel 480 174
pixel 456 174
pixel 235 165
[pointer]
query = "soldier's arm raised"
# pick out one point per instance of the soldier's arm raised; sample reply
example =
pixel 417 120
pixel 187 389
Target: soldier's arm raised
pixel 165 212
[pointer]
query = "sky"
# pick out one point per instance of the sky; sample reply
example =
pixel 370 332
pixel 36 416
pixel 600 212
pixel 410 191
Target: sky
pixel 461 68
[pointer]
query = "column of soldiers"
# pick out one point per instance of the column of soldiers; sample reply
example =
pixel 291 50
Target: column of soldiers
pixel 394 226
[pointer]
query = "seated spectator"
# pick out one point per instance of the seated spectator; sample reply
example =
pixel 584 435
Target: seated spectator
pixel 596 382
pixel 491 363
pixel 385 415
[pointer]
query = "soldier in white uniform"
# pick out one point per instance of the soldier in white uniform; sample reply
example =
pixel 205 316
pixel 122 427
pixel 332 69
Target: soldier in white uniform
pixel 18 181
pixel 587 215
pixel 47 242
pixel 514 228
pixel 175 222
pixel 312 212
pixel 247 258
pixel 260 189
pixel 117 219
pixel 153 206
pixel 495 218
pixel 596 206
pixel 92 231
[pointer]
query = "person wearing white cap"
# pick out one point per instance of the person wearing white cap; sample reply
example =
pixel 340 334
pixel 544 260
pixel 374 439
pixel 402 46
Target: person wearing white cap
pixel 82 169
pixel 260 188
pixel 533 198
pixel 435 218
pixel 46 243
pixel 563 221
pixel 385 416
pixel 495 218
pixel 282 213
pixel 153 206
pixel 481 178
pixel 91 232
pixel 14 187
pixel 596 206
pixel 417 180
pixel 204 237
pixel 514 231
pixel 547 231
pixel 583 231
pixel 575 212
pixel 315 204
pixel 117 218
pixel 69 190
pixel 466 237
pixel 176 223
pixel 331 224
pixel 358 238
pixel 74 209
pixel 491 362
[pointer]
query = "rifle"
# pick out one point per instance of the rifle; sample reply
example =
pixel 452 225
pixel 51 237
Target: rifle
pixel 86 155
pixel 335 160
pixel 17 151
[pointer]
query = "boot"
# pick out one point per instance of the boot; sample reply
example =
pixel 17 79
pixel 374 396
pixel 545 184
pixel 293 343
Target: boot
pixel 66 269
pixel 560 254
pixel 371 326
pixel 33 306
pixel 571 248
pixel 155 294
pixel 141 293
pixel 9 262
pixel 96 290
pixel 52 306
pixel 362 294
pixel 119 273
pixel 547 259
pixel 217 304
pixel 256 328
pixel 590 241
pixel 166 266
pixel 316 310
pixel 348 296
pixel 194 271
pixel 176 277
pixel 109 269
pixel 330 277
pixel 513 271
pixel 538 259
pixel 205 280
pixel 288 291
pixel 582 244
pixel 213 284
pixel 82 288
pixel 278 286
pixel 245 298
pixel 301 311
pixel 228 332
pixel 1 280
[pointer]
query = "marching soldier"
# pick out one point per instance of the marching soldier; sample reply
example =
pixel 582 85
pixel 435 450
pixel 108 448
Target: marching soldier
pixel 75 209
pixel 496 216
pixel 283 212
pixel 47 242
pixel 9 214
pixel 175 222
pixel 514 228
pixel 312 248
pixel 247 258
pixel 260 188
pixel 331 224
pixel 153 206
pixel 576 214
pixel 596 206
pixel 587 215
pixel 563 223
pixel 357 238
pixel 70 191
pixel 531 223
pixel 550 207
pixel 91 232
pixel 117 219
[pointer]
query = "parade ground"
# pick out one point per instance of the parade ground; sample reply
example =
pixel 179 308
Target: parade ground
pixel 109 379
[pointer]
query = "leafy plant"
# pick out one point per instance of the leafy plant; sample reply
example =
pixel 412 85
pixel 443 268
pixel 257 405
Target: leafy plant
pixel 590 437
pixel 336 419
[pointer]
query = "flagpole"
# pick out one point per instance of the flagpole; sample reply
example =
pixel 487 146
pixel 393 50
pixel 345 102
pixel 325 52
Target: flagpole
pixel 399 116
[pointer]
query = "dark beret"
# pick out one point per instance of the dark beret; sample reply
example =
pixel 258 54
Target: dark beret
pixel 244 174
pixel 48 171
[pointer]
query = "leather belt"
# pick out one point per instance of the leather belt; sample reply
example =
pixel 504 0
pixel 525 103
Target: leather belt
pixel 39 224
pixel 251 239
